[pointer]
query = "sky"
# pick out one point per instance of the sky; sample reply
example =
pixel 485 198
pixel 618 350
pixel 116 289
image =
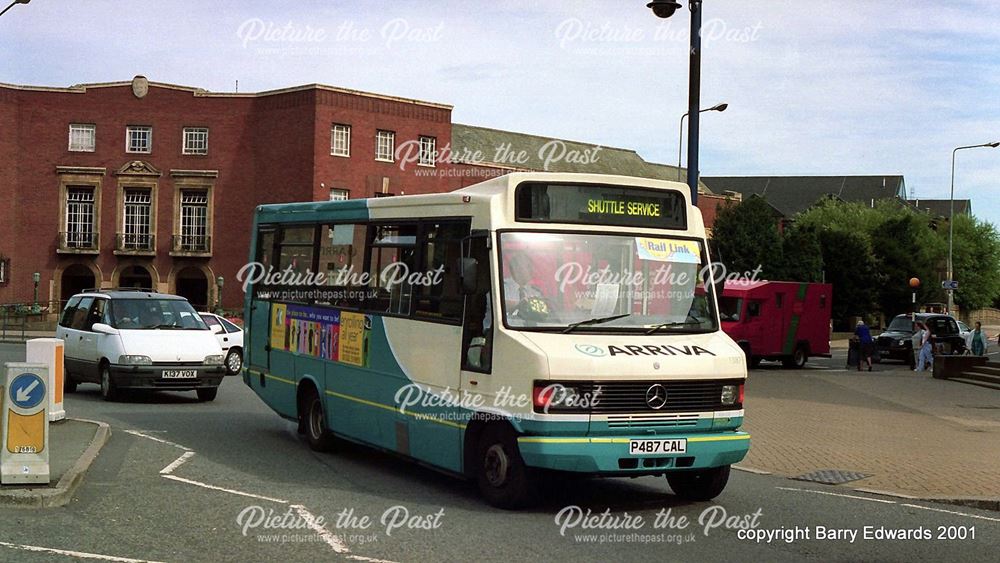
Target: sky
pixel 825 87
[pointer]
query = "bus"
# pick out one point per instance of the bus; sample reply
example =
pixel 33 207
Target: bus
pixel 531 324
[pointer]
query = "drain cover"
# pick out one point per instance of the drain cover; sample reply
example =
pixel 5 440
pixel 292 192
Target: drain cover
pixel 832 476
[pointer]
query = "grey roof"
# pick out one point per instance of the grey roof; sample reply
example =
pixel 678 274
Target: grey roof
pixel 493 144
pixel 942 207
pixel 793 194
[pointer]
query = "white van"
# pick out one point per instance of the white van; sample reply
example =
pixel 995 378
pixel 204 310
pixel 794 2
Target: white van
pixel 139 339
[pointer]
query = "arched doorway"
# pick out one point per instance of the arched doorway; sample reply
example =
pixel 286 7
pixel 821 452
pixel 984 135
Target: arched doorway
pixel 75 278
pixel 192 285
pixel 135 276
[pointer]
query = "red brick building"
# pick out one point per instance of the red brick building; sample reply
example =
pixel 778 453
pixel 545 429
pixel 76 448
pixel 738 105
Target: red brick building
pixel 154 185
pixel 145 184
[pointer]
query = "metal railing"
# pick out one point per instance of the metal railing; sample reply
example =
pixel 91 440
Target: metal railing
pixel 135 242
pixel 16 318
pixel 192 243
pixel 78 241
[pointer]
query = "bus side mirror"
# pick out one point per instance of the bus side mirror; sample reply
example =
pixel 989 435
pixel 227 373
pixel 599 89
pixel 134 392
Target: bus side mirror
pixel 469 268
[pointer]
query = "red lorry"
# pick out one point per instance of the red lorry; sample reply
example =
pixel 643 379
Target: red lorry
pixel 778 320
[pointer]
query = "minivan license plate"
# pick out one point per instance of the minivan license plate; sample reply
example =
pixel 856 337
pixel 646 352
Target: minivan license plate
pixel 650 447
pixel 179 373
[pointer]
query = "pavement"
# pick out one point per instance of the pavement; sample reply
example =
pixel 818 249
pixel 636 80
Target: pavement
pixel 903 433
pixel 73 446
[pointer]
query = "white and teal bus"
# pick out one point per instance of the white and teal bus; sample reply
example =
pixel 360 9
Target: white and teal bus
pixel 533 323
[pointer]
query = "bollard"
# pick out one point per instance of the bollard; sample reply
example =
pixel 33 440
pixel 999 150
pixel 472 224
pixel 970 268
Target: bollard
pixel 24 440
pixel 49 351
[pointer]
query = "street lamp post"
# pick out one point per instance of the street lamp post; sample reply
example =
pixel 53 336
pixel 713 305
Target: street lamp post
pixel 11 5
pixel 665 9
pixel 951 218
pixel 218 301
pixel 36 277
pixel 680 137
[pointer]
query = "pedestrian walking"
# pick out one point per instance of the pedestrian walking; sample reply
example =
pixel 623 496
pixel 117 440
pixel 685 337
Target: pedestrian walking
pixel 866 344
pixel 979 342
pixel 926 357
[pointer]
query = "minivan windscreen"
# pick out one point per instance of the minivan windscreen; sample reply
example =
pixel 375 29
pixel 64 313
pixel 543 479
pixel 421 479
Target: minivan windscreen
pixel 150 314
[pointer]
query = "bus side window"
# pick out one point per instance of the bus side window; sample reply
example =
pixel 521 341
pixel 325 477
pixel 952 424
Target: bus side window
pixel 477 333
pixel 392 255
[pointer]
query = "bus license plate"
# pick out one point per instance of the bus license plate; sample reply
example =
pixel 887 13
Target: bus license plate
pixel 179 373
pixel 649 447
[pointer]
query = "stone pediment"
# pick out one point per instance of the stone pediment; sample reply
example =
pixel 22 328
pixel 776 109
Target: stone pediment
pixel 138 168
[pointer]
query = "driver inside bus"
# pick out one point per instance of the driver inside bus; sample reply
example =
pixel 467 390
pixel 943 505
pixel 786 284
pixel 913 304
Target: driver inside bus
pixel 517 287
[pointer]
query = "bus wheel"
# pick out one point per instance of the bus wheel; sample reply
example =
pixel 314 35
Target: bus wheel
pixel 503 478
pixel 699 485
pixel 319 436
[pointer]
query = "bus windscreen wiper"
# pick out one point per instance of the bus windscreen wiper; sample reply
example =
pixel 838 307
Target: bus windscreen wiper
pixel 595 321
pixel 666 325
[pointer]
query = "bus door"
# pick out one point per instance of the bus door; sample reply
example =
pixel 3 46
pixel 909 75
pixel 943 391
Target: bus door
pixel 480 312
pixel 258 350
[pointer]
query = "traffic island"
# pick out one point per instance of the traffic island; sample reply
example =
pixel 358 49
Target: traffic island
pixel 73 445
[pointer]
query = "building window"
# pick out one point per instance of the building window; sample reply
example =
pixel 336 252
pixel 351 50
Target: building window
pixel 337 194
pixel 340 140
pixel 428 151
pixel 385 145
pixel 80 218
pixel 4 270
pixel 137 232
pixel 138 139
pixel 194 221
pixel 195 140
pixel 82 137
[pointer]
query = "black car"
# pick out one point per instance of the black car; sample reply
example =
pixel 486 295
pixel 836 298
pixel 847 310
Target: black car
pixel 897 341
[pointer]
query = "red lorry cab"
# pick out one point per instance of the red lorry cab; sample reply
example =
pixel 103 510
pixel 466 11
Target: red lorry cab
pixel 776 320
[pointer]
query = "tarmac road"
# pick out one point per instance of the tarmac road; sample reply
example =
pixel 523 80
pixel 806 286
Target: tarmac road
pixel 176 475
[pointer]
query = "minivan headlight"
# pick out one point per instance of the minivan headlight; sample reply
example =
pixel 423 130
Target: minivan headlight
pixel 214 360
pixel 134 360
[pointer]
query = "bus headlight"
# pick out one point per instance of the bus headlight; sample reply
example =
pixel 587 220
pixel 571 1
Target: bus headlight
pixel 132 360
pixel 563 397
pixel 731 395
pixel 215 360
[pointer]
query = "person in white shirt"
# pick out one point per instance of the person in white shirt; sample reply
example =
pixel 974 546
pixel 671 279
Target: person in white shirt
pixel 517 286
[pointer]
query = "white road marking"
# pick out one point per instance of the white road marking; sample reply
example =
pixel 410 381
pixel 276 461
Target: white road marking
pixel 68 553
pixel 837 495
pixel 953 512
pixel 230 491
pixel 310 520
pixel 369 559
pixel 160 440
pixel 177 463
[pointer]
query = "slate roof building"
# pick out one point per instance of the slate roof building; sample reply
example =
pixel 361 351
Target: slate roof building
pixel 941 208
pixel 791 195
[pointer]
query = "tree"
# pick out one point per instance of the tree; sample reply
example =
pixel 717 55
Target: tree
pixel 801 255
pixel 745 236
pixel 850 266
pixel 904 247
pixel 976 262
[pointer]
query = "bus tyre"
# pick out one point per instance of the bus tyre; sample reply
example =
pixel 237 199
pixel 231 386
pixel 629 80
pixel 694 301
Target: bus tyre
pixel 798 359
pixel 207 394
pixel 317 433
pixel 699 485
pixel 503 478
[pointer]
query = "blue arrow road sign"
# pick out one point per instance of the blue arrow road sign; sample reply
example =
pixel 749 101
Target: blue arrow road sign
pixel 27 390
pixel 949 284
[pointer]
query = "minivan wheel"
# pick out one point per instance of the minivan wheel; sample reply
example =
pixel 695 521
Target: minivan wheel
pixel 207 394
pixel 69 384
pixel 108 389
pixel 234 361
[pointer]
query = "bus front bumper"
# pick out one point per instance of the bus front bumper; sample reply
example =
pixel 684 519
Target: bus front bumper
pixel 610 455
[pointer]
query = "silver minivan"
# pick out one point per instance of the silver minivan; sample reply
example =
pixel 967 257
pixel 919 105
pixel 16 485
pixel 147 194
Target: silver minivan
pixel 138 340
